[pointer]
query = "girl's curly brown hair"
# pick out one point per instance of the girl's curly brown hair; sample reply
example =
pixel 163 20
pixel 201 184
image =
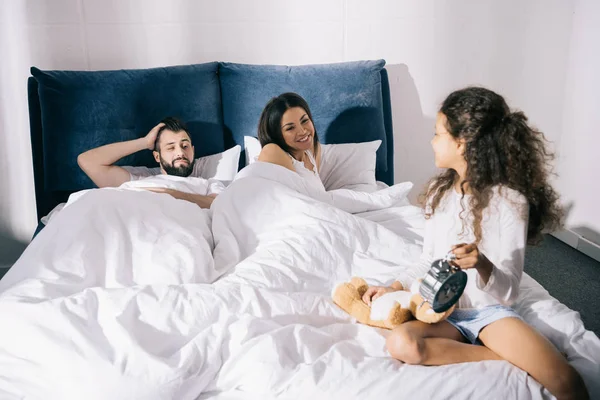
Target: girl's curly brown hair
pixel 500 149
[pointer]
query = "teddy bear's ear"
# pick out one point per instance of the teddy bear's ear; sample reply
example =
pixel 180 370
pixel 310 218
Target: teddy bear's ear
pixel 344 294
pixel 360 284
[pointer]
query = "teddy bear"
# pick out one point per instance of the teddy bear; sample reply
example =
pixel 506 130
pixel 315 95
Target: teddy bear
pixel 389 310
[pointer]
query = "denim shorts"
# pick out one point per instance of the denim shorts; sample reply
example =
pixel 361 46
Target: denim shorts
pixel 471 321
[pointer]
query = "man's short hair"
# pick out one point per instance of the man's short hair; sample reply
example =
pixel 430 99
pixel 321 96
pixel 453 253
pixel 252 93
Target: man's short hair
pixel 174 125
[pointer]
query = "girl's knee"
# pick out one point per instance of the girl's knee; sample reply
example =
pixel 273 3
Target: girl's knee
pixel 404 346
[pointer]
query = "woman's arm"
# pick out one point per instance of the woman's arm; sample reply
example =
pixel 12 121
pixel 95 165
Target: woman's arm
pixel 273 154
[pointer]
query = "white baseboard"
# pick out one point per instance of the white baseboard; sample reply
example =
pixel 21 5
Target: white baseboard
pixel 578 242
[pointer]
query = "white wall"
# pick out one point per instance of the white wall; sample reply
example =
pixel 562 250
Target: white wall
pixel 578 167
pixel 17 204
pixel 517 47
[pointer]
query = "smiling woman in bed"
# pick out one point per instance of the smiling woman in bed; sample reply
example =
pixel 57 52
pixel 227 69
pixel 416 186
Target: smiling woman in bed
pixel 172 149
pixel 289 138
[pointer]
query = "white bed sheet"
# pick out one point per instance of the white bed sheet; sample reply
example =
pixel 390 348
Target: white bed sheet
pixel 119 297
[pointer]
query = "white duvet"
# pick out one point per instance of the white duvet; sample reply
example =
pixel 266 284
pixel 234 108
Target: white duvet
pixel 128 294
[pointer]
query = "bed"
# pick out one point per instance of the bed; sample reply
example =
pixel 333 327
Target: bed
pixel 128 294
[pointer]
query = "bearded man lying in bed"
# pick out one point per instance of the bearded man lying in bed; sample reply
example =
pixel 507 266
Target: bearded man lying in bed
pixel 171 146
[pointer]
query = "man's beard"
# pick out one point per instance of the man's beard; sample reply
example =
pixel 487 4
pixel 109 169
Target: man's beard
pixel 184 170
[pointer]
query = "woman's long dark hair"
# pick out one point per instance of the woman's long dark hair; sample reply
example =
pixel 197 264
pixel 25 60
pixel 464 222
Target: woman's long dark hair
pixel 269 125
pixel 501 149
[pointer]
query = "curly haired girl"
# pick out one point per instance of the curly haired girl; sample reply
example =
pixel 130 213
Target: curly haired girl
pixel 491 200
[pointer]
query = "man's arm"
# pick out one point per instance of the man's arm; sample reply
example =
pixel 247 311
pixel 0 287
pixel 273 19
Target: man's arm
pixel 97 163
pixel 198 199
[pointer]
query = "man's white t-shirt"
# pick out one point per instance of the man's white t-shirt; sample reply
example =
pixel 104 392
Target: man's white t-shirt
pixel 214 186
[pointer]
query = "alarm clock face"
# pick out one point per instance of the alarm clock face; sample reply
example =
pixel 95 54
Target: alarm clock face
pixel 450 291
pixel 447 293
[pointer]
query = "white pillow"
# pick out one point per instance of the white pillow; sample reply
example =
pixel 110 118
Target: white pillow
pixel 349 166
pixel 343 166
pixel 253 148
pixel 221 166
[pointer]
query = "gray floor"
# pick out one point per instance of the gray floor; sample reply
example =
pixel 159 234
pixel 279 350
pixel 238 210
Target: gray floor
pixel 570 276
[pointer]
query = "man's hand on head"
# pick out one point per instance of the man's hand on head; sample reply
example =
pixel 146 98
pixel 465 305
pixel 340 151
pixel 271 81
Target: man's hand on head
pixel 151 136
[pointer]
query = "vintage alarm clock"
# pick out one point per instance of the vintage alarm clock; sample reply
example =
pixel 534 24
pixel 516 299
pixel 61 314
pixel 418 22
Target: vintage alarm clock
pixel 444 284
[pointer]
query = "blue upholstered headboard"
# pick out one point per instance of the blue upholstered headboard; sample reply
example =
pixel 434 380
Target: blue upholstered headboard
pixel 73 111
